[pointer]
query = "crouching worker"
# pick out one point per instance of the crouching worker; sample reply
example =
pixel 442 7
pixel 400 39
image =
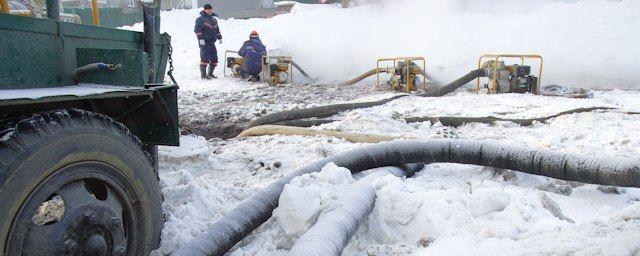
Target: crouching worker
pixel 208 33
pixel 252 52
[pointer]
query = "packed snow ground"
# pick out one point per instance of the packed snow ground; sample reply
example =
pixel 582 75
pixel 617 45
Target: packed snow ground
pixel 446 209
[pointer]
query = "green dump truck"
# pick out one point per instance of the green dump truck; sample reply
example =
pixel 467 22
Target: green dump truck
pixel 82 111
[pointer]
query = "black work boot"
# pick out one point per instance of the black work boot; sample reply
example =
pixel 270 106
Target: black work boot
pixel 211 69
pixel 203 72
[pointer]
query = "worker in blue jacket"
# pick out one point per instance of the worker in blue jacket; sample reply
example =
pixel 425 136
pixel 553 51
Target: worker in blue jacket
pixel 208 33
pixel 252 51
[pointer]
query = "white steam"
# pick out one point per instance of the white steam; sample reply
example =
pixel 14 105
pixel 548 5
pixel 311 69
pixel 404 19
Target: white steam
pixel 589 43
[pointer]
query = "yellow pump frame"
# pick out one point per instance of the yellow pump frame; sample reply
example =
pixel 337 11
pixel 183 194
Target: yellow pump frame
pixel 95 13
pixel 266 60
pixel 522 57
pixel 226 53
pixel 266 71
pixel 395 64
pixel 4 6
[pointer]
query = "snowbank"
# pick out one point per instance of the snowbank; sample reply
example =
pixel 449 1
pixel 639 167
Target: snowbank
pixel 441 211
pixel 589 43
pixel 446 208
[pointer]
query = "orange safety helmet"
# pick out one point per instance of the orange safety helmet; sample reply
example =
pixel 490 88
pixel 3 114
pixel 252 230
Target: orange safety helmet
pixel 253 34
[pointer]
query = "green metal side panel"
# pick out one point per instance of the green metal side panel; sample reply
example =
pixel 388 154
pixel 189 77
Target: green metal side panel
pixel 163 43
pixel 30 50
pixel 151 114
pixel 109 17
pixel 68 93
pixel 85 36
pixel 132 73
pixel 42 53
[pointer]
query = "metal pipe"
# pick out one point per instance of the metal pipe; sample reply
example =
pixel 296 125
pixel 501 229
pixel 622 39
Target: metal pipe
pixel 4 5
pixel 149 15
pixel 157 4
pixel 293 63
pixel 257 209
pixel 53 9
pixel 95 12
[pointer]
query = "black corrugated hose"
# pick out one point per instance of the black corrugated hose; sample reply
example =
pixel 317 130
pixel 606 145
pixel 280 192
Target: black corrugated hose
pixel 255 210
pixel 328 110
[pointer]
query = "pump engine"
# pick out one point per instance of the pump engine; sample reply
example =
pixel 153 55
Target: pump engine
pixel 277 70
pixel 509 79
pixel 234 64
pixel 514 78
pixel 406 73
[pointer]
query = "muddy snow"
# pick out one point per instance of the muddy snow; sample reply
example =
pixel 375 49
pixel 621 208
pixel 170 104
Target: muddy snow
pixel 446 209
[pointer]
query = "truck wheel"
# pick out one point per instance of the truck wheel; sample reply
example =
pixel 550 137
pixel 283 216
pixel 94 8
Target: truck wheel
pixel 74 182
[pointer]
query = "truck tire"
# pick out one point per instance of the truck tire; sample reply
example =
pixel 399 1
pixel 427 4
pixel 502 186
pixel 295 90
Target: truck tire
pixel 74 182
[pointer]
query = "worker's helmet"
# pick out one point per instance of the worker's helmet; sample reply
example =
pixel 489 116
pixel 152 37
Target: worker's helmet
pixel 254 34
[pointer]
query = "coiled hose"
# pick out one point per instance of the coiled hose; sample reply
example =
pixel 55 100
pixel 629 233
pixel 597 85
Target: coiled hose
pixel 328 110
pixel 255 210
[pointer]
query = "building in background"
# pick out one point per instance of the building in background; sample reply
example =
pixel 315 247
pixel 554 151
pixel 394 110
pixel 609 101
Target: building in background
pixel 117 13
pixel 239 9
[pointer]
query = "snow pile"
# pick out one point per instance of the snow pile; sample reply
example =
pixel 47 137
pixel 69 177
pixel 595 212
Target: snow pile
pixel 446 209
pixel 301 202
pixel 590 43
pixel 438 213
pixel 307 196
pixel 599 132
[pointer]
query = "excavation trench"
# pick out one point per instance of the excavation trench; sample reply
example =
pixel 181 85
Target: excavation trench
pixel 455 121
pixel 328 110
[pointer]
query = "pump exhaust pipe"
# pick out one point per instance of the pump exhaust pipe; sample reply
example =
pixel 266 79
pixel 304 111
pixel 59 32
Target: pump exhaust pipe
pixel 53 9
pixel 150 28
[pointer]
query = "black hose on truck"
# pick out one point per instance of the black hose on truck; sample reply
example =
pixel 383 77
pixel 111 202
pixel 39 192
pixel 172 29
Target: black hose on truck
pixel 78 72
pixel 328 110
pixel 257 209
